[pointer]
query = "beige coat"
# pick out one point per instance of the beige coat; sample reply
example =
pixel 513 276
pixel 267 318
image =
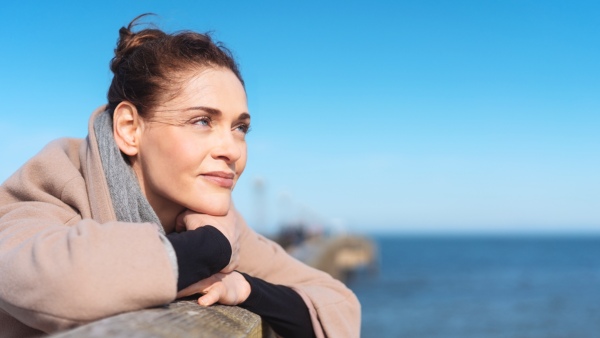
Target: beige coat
pixel 66 261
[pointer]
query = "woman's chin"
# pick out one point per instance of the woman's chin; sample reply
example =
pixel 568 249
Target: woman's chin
pixel 215 209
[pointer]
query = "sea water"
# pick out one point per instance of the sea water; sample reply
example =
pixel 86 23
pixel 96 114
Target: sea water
pixel 473 286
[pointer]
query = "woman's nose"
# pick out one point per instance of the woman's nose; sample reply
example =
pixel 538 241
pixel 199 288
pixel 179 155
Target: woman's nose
pixel 227 148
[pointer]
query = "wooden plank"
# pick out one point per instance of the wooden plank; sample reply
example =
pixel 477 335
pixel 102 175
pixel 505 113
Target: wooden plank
pixel 177 320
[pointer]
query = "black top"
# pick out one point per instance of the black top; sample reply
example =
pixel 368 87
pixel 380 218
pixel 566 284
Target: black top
pixel 205 251
pixel 200 254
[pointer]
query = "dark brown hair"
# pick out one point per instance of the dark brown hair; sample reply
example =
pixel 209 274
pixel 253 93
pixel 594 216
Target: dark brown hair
pixel 149 65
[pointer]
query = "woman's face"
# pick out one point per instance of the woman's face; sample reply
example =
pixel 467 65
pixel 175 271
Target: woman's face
pixel 192 149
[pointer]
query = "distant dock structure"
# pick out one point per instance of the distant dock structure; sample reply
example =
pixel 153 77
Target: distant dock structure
pixel 338 255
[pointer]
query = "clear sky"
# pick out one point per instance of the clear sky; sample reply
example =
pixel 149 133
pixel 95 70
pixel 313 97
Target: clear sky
pixel 367 115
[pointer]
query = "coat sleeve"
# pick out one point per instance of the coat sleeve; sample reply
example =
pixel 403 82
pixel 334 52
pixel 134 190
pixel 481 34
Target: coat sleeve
pixel 59 270
pixel 334 309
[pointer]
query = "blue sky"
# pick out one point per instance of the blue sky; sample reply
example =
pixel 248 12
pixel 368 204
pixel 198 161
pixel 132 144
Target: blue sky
pixel 433 116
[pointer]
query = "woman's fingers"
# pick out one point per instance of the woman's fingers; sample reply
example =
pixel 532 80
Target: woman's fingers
pixel 198 287
pixel 213 294
pixel 227 289
pixel 180 222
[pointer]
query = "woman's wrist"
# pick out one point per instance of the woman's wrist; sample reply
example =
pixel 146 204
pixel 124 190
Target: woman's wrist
pixel 246 289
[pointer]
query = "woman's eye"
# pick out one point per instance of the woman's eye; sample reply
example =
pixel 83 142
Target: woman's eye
pixel 244 128
pixel 202 121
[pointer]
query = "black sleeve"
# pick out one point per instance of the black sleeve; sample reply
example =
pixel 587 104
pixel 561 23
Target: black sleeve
pixel 200 254
pixel 280 306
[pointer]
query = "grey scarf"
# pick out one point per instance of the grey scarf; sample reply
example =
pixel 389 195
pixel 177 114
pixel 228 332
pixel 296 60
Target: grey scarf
pixel 129 203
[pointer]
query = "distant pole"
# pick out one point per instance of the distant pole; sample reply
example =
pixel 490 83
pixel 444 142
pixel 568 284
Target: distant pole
pixel 260 212
pixel 285 209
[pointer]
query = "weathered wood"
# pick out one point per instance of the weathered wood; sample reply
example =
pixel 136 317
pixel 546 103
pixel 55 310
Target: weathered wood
pixel 177 320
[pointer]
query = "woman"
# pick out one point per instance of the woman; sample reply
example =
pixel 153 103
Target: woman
pixel 139 213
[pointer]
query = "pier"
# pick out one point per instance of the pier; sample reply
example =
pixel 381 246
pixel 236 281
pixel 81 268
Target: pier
pixel 339 256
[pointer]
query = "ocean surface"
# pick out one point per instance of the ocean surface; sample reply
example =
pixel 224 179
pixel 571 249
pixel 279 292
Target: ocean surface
pixel 471 286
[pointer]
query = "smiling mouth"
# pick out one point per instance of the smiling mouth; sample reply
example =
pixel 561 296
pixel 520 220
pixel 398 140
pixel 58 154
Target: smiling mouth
pixel 222 179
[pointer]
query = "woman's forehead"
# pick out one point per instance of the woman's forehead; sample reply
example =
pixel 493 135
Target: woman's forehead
pixel 212 88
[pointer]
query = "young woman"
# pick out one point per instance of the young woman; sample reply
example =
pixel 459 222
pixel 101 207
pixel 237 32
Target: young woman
pixel 139 213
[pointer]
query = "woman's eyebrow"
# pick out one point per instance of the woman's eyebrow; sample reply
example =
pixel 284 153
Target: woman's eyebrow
pixel 216 112
pixel 208 110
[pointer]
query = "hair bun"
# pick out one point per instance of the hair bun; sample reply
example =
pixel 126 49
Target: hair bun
pixel 129 41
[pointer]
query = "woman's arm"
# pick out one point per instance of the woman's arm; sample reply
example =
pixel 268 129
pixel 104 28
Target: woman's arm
pixel 56 275
pixel 333 309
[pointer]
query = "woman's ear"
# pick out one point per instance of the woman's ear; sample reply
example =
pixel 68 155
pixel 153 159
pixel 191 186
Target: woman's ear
pixel 127 128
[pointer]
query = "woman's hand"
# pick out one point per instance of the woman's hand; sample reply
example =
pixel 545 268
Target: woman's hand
pixel 227 225
pixel 223 288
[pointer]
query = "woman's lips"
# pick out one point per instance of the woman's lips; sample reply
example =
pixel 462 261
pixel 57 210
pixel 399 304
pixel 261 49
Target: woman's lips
pixel 220 178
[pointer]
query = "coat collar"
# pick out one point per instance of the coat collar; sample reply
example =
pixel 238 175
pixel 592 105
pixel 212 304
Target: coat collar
pixel 91 168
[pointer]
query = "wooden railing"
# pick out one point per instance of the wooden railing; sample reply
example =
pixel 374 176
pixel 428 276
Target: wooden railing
pixel 180 319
